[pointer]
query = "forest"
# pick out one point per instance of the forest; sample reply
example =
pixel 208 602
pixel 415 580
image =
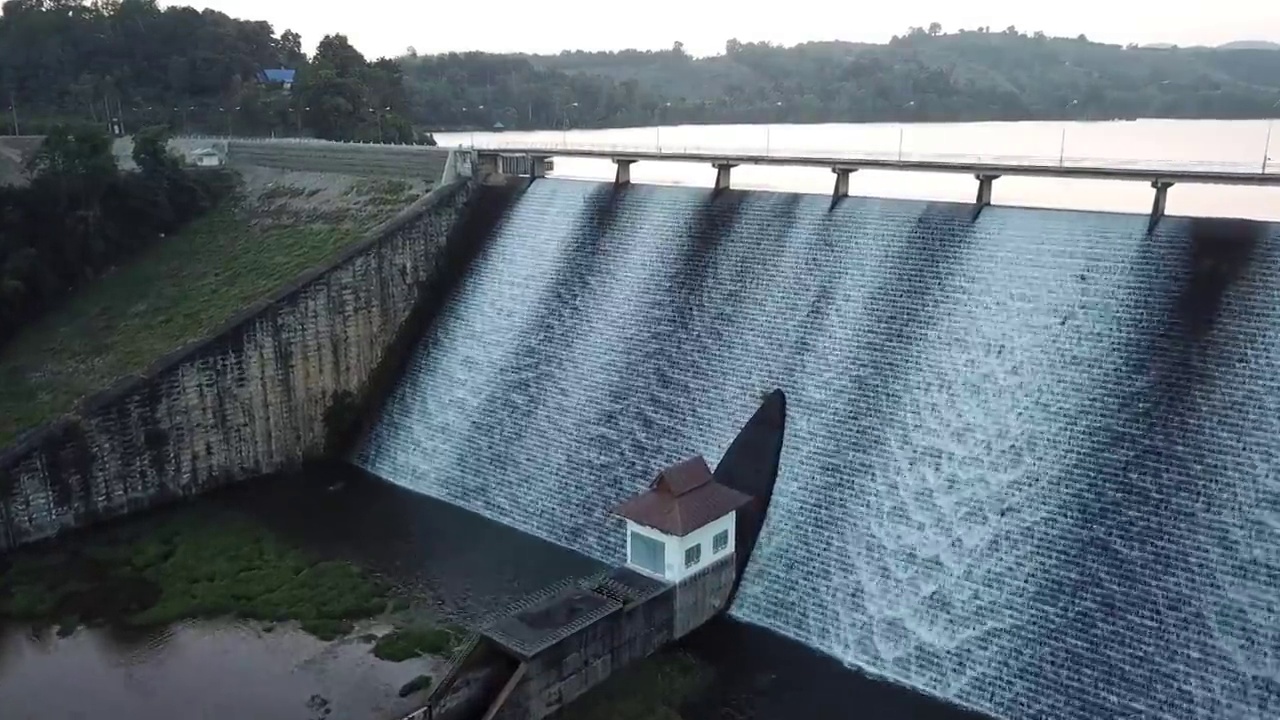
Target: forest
pixel 922 75
pixel 81 215
pixel 128 64
pixel 132 63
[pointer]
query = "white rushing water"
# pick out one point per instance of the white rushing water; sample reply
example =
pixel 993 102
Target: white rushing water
pixel 1001 484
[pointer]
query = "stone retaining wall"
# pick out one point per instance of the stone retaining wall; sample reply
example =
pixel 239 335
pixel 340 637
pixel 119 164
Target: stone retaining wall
pixel 250 399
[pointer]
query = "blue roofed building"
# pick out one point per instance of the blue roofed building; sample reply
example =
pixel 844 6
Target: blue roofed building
pixel 277 76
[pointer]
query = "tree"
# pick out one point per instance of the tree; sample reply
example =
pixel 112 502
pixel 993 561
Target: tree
pixel 291 54
pixel 82 153
pixel 935 28
pixel 151 151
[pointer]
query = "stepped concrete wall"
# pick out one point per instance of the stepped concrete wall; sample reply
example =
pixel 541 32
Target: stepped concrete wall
pixel 390 161
pixel 250 399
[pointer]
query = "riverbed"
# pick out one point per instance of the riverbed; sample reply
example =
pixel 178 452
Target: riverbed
pixel 457 565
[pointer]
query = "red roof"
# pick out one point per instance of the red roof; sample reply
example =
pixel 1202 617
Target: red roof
pixel 683 498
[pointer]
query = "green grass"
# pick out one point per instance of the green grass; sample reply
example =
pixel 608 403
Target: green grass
pixel 418 684
pixel 415 641
pixel 653 689
pixel 177 291
pixel 188 565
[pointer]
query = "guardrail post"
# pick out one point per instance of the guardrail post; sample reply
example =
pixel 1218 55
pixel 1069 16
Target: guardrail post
pixel 1158 203
pixel 722 175
pixel 623 176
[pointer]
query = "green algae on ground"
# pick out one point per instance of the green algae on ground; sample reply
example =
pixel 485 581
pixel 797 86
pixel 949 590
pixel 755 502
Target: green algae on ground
pixel 415 641
pixel 188 565
pixel 418 684
pixel 653 689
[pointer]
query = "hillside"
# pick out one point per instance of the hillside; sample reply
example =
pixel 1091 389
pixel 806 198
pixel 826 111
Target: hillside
pixel 135 64
pixel 279 224
pixel 962 76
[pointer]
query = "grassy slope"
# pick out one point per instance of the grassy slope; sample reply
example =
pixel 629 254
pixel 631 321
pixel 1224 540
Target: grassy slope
pixel 180 290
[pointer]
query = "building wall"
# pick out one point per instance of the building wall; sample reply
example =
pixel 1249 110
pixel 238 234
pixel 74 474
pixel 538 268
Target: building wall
pixel 703 594
pixel 250 399
pixel 565 671
pixel 676 570
pixel 703 537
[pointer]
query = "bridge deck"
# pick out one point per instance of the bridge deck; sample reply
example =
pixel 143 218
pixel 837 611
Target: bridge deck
pixel 1028 167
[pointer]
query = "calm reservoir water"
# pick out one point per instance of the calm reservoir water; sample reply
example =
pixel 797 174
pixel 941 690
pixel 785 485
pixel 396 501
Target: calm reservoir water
pixel 1232 145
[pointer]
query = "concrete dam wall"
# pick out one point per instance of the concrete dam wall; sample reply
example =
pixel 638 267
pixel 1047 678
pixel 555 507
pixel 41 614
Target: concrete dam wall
pixel 391 161
pixel 1031 459
pixel 250 399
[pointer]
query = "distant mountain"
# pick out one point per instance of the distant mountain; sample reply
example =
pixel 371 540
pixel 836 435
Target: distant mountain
pixel 1234 45
pixel 1250 45
pixel 942 77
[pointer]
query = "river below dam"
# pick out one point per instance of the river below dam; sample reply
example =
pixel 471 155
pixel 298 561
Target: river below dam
pixel 461 564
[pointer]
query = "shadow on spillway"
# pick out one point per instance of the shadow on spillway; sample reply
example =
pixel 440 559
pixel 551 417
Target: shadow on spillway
pixel 760 675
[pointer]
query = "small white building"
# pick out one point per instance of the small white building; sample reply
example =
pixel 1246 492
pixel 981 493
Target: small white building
pixel 684 522
pixel 206 157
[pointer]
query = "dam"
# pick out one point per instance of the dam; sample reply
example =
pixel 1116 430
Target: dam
pixel 1028 468
pixel 1030 462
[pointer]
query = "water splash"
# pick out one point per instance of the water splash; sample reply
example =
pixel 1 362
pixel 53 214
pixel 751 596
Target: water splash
pixel 979 495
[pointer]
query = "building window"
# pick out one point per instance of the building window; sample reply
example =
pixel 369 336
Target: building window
pixel 693 555
pixel 720 541
pixel 648 554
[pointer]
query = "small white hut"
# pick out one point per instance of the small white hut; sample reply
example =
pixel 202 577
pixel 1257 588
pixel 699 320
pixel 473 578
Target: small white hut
pixel 684 522
pixel 206 157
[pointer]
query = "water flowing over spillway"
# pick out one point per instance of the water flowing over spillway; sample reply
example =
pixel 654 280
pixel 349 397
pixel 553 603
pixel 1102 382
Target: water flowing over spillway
pixel 1021 472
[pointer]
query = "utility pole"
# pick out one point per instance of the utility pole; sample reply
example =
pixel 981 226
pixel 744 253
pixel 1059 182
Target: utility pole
pixel 1266 150
pixel 13 107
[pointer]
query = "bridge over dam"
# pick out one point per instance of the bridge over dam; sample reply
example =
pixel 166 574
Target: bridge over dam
pixel 1029 459
pixel 536 160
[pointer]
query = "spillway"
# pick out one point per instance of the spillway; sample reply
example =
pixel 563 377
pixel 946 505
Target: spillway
pixel 1032 462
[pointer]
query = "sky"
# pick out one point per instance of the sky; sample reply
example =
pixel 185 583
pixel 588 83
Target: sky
pixel 389 27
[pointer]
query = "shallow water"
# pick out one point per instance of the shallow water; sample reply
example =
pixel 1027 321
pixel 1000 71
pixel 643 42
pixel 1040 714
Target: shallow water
pixel 199 670
pixel 462 564
pixel 457 562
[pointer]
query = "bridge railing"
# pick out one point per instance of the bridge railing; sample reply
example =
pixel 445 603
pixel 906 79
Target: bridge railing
pixel 780 152
pixel 709 151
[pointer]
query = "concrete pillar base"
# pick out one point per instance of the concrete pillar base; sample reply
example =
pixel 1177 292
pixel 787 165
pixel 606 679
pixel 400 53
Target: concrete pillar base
pixel 1158 203
pixel 537 167
pixel 623 176
pixel 841 190
pixel 984 189
pixel 723 171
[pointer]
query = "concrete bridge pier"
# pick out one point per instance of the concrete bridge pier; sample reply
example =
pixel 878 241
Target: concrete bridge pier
pixel 623 175
pixel 984 193
pixel 984 189
pixel 1158 203
pixel 722 174
pixel 538 166
pixel 841 189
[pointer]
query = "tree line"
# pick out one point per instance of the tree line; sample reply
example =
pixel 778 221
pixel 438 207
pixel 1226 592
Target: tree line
pixel 81 215
pixel 923 75
pixel 127 64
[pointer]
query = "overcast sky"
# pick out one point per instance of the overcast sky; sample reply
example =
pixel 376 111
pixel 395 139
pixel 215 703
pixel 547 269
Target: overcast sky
pixel 387 27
